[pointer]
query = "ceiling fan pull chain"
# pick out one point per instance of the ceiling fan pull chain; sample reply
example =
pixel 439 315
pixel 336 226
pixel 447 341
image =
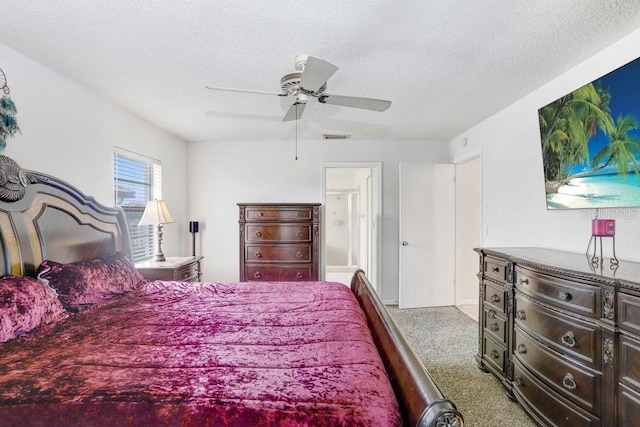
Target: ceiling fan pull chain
pixel 296 131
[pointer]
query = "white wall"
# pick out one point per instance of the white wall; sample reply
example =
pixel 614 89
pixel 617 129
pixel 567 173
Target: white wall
pixel 225 173
pixel 513 185
pixel 69 132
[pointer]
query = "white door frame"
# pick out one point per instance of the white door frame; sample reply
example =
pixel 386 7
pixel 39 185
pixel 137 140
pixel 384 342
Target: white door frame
pixel 471 155
pixel 376 170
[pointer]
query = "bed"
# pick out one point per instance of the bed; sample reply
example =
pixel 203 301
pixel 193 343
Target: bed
pixel 87 341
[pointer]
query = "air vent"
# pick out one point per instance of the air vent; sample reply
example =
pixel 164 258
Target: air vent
pixel 335 136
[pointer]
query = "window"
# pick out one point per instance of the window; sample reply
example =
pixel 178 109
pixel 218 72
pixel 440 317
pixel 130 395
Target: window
pixel 137 179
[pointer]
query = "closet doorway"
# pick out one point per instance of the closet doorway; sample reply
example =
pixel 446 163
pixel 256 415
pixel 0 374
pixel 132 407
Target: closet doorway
pixel 351 212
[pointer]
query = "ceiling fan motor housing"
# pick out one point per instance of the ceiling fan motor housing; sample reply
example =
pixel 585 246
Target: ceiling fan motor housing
pixel 290 84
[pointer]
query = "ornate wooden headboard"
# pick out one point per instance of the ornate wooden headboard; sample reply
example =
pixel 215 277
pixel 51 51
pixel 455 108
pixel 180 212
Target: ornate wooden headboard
pixel 43 217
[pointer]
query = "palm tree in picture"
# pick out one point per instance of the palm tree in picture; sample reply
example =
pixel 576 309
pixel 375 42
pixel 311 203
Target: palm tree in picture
pixel 622 149
pixel 566 127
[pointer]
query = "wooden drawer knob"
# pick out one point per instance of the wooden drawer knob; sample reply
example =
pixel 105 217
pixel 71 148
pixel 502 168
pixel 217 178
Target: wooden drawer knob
pixel 522 349
pixel 257 275
pixel 524 281
pixel 521 315
pixel 495 354
pixel 299 275
pixel 258 254
pixel 298 254
pixel 491 314
pixel 495 298
pixel 258 234
pixel 494 326
pixel 495 269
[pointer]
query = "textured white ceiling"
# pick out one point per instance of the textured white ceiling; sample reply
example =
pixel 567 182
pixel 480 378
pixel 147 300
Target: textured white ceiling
pixel 445 65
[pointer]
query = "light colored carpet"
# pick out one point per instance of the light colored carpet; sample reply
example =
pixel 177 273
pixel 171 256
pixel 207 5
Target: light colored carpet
pixel 446 340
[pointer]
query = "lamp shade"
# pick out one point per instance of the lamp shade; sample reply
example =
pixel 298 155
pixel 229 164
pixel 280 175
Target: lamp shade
pixel 156 212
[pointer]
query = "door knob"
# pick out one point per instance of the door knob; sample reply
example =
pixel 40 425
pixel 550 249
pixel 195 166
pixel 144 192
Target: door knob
pixel 405 243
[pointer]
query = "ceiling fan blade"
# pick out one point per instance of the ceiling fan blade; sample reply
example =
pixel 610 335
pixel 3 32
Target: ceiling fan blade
pixel 294 112
pixel 316 73
pixel 229 89
pixel 355 102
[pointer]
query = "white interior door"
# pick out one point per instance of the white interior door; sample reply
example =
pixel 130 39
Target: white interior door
pixel 427 235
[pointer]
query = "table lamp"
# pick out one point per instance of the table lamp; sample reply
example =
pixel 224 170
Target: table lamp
pixel 156 213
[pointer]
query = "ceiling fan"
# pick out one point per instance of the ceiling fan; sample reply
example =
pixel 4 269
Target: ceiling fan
pixel 310 80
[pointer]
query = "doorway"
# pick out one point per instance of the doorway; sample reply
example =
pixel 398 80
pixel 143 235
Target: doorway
pixel 468 232
pixel 351 212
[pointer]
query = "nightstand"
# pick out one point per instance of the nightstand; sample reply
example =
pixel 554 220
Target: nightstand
pixel 184 269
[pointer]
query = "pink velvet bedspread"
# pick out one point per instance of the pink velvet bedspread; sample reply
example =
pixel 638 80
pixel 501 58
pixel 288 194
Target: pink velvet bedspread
pixel 202 354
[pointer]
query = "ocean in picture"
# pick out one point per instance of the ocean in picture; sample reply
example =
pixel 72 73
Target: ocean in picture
pixel 597 191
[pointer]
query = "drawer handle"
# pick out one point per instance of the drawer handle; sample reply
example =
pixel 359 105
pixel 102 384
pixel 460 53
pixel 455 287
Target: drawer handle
pixel 495 298
pixel 524 281
pixel 299 275
pixel 491 314
pixel 564 296
pixel 257 275
pixel 298 254
pixel 521 315
pixel 494 326
pixel 522 349
pixel 569 339
pixel 261 213
pixel 495 354
pixel 258 254
pixel 518 381
pixel 258 234
pixel 569 383
pixel 495 269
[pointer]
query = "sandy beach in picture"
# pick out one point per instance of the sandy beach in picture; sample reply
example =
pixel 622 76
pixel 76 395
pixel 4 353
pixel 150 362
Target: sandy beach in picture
pixel 597 192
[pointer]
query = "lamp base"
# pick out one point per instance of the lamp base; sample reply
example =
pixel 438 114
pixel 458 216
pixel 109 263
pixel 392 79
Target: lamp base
pixel 159 254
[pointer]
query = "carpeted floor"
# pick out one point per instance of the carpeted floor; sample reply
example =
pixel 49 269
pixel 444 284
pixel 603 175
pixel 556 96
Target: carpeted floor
pixel 447 341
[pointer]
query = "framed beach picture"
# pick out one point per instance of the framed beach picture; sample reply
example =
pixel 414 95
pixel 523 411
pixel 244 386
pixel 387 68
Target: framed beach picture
pixel 590 142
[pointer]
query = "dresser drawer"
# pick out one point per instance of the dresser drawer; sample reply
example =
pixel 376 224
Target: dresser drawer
pixel 278 253
pixel 628 406
pixel 567 295
pixel 494 296
pixel 495 268
pixel 579 385
pixel 495 355
pixel 270 213
pixel 278 233
pixel 546 404
pixel 629 362
pixel 299 273
pixel 495 325
pixel 629 313
pixel 573 337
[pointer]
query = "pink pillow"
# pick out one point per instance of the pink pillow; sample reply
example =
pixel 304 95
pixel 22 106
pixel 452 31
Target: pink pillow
pixel 83 283
pixel 26 304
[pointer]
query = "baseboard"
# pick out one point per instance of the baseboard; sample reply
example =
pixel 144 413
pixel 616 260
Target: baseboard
pixel 390 302
pixel 469 301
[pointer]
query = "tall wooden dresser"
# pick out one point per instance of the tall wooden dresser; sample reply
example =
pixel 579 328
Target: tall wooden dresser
pixel 562 334
pixel 279 241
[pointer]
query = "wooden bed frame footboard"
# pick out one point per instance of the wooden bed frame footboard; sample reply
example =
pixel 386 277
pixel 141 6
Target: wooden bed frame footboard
pixel 421 401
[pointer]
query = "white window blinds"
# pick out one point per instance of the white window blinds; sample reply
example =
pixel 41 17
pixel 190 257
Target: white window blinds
pixel 137 179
